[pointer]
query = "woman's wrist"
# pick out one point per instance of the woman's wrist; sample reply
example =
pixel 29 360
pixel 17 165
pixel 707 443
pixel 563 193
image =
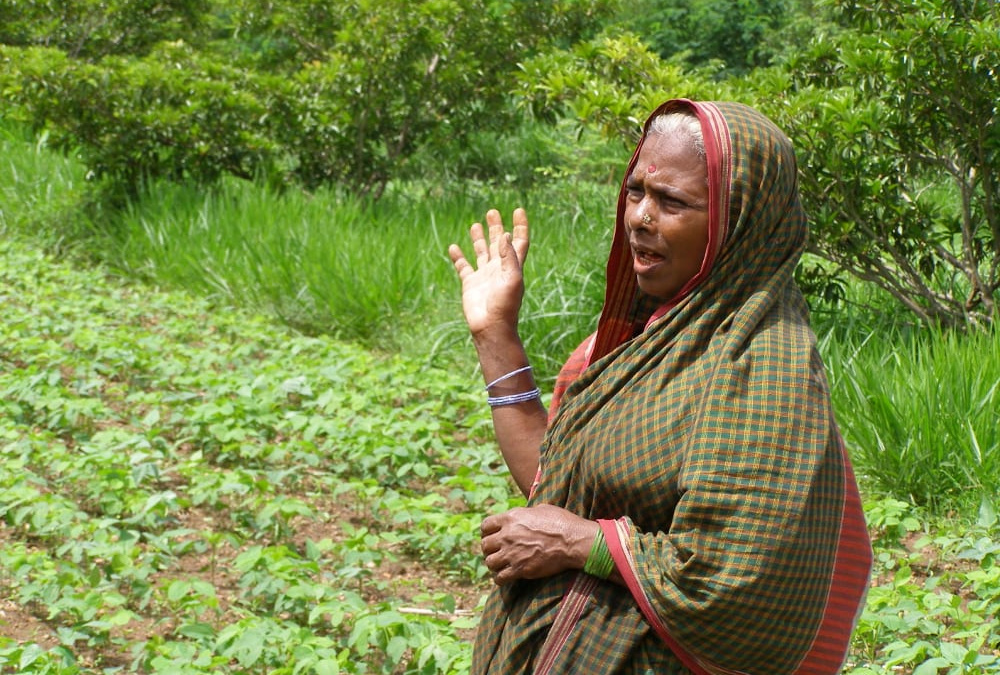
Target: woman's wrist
pixel 506 376
pixel 504 363
pixel 500 338
pixel 584 542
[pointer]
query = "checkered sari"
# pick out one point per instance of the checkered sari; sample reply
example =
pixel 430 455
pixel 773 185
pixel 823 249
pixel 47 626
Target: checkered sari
pixel 700 435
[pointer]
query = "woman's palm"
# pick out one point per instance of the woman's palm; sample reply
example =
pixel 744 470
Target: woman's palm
pixel 492 289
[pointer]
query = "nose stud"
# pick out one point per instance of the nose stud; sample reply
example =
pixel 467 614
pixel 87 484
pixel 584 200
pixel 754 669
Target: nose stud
pixel 646 220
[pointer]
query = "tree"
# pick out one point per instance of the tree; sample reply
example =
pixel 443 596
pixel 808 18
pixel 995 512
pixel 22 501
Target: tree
pixel 91 29
pixel 608 83
pixel 298 90
pixel 373 82
pixel 735 33
pixel 172 114
pixel 895 120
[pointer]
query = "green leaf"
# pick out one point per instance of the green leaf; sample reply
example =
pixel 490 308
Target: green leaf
pixel 931 666
pixel 121 617
pixel 396 648
pixel 29 654
pixel 197 630
pixel 177 590
pixel 987 513
pixel 248 559
pixel 248 646
pixel 327 667
pixel 954 654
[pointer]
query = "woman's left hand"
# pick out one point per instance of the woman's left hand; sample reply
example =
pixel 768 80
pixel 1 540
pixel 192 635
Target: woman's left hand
pixel 535 542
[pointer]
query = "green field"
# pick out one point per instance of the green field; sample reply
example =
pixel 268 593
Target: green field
pixel 192 489
pixel 198 475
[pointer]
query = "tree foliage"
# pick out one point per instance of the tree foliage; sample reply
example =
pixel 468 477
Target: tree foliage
pixel 608 82
pixel 895 119
pixel 373 82
pixel 740 34
pixel 90 29
pixel 305 91
pixel 172 114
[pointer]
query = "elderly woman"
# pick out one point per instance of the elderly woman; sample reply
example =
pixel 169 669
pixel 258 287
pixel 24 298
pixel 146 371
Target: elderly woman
pixel 691 507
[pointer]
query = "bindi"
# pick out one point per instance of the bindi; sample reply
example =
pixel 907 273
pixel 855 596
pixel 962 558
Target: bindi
pixel 651 168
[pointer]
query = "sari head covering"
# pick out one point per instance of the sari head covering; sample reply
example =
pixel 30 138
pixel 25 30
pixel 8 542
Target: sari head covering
pixel 699 433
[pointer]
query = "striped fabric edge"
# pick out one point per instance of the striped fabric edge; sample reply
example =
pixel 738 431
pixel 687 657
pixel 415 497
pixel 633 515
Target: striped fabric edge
pixel 719 158
pixel 617 535
pixel 850 581
pixel 719 153
pixel 570 609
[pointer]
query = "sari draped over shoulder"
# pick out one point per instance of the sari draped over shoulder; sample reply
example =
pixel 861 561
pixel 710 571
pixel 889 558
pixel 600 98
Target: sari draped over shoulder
pixel 700 435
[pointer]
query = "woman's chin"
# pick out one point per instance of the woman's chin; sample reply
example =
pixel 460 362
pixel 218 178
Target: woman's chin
pixel 650 287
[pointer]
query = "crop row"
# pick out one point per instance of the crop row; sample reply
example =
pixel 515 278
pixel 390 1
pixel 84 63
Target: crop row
pixel 184 490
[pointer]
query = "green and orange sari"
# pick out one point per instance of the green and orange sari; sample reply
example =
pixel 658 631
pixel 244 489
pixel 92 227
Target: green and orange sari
pixel 700 435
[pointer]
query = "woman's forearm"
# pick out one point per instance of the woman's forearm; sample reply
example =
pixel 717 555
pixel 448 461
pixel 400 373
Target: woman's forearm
pixel 519 427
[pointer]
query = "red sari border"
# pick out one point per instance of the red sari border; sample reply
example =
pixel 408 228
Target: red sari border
pixel 849 578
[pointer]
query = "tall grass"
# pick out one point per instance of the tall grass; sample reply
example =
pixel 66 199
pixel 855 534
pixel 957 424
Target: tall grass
pixel 38 186
pixel 378 272
pixel 327 262
pixel 920 412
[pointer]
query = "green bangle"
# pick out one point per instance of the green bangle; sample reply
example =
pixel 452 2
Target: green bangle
pixel 599 563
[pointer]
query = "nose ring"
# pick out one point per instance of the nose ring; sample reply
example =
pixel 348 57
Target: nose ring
pixel 646 220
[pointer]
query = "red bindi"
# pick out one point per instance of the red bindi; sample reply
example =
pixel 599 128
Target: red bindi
pixel 651 168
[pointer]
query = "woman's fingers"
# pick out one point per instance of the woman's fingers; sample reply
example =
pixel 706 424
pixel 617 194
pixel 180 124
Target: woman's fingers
pixel 520 234
pixel 508 257
pixel 510 246
pixel 462 266
pixel 479 244
pixel 493 241
pixel 495 222
pixel 534 542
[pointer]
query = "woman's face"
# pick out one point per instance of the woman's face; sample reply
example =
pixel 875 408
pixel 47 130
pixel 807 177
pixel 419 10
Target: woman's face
pixel 666 214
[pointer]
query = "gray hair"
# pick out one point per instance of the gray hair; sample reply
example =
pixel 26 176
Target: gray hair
pixel 681 122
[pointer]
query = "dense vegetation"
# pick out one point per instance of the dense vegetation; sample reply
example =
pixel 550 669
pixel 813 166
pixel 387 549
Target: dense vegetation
pixel 188 490
pixel 186 487
pixel 891 105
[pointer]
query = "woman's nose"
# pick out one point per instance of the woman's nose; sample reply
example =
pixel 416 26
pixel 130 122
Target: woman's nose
pixel 640 220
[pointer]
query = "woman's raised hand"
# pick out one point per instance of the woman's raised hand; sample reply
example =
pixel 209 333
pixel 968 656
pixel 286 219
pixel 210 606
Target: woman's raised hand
pixel 492 289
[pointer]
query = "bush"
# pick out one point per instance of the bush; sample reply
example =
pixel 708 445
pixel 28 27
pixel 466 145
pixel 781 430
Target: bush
pixel 169 115
pixel 315 93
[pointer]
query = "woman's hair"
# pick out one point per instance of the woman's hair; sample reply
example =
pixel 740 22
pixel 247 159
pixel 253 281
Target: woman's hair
pixel 679 122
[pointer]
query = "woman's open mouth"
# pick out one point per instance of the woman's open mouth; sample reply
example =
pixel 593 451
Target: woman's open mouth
pixel 643 260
